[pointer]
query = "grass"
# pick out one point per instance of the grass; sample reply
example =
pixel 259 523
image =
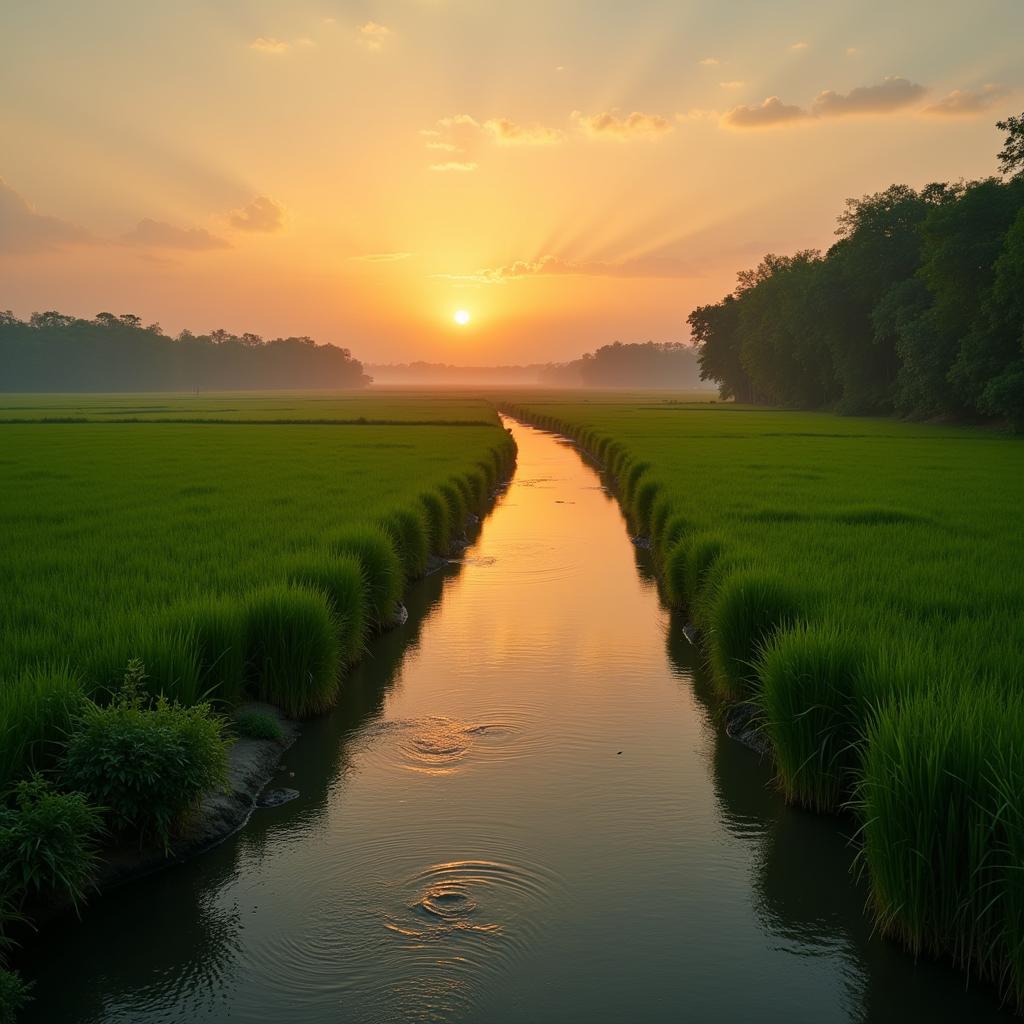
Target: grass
pixel 233 558
pixel 861 581
pixel 257 725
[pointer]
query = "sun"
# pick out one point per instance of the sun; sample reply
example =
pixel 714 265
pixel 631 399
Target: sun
pixel 461 317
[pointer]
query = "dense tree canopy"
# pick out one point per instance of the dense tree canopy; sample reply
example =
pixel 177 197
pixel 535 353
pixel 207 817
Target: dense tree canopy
pixel 648 364
pixel 53 352
pixel 917 308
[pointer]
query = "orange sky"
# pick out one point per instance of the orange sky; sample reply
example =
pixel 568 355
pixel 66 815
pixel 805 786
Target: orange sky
pixel 571 173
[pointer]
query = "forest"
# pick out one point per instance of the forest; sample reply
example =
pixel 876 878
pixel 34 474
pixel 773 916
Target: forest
pixel 55 352
pixel 917 309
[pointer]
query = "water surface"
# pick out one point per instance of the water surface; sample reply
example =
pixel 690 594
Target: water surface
pixel 523 810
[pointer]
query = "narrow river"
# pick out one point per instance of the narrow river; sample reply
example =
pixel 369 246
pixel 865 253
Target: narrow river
pixel 523 811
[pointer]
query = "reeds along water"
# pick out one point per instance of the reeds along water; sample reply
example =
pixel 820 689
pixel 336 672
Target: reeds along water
pixel 875 640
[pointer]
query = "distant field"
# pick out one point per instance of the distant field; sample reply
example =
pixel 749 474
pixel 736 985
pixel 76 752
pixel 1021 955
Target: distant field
pixel 159 541
pixel 861 581
pixel 379 406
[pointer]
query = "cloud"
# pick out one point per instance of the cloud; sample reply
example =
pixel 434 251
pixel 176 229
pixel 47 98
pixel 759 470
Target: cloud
pixel 798 47
pixel 269 45
pixel 373 35
pixel 458 166
pixel 965 103
pixel 736 84
pixel 764 115
pixel 609 125
pixel 853 51
pixel 22 230
pixel 262 214
pixel 710 62
pixel 381 257
pixel 893 93
pixel 508 133
pixel 548 266
pixel 160 235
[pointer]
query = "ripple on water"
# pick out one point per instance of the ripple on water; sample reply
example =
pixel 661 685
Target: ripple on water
pixel 436 745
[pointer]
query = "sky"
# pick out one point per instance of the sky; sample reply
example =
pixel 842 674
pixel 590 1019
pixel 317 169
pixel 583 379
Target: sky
pixel 569 173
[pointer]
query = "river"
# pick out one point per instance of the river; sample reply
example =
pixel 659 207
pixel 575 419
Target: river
pixel 523 810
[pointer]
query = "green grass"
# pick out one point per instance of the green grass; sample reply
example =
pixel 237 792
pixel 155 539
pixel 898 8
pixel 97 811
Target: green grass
pixel 180 542
pixel 257 725
pixel 861 581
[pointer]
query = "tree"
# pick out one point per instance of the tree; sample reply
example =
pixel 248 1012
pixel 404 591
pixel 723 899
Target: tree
pixel 1011 156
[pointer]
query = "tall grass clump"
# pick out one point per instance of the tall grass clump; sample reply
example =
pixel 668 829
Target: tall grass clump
pixel 383 575
pixel 631 481
pixel 941 804
pixel 344 580
pixel 643 502
pixel 438 521
pixel 36 711
pixel 455 504
pixel 747 609
pixel 809 693
pixel 294 652
pixel 217 626
pixel 409 533
pixel 703 550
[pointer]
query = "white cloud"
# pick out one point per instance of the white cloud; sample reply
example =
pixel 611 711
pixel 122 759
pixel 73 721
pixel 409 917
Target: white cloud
pixel 269 45
pixel 457 166
pixel 508 133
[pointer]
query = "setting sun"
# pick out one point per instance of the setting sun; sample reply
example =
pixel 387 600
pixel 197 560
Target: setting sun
pixel 462 317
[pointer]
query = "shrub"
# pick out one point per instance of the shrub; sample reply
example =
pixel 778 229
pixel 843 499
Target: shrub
pixel 343 579
pixel 748 607
pixel 14 996
pixel 258 725
pixel 294 652
pixel 36 710
pixel 410 534
pixel 147 762
pixel 48 842
pixel 383 577
pixel 813 711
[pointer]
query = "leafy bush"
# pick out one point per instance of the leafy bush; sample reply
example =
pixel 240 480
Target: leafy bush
pixel 258 725
pixel 148 763
pixel 48 842
pixel 294 648
pixel 14 996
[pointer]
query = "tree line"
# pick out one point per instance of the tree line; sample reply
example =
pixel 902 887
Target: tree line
pixel 648 364
pixel 917 309
pixel 54 352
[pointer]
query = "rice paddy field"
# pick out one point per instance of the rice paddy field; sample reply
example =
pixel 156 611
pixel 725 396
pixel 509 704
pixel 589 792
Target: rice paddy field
pixel 860 584
pixel 249 554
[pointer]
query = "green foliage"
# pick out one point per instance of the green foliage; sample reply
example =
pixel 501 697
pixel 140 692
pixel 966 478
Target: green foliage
pixel 748 608
pixel 916 308
pixel 217 628
pixel 36 709
pixel 146 762
pixel 383 576
pixel 294 648
pixel 15 995
pixel 48 842
pixel 340 574
pixel 409 532
pixel 438 520
pixel 257 725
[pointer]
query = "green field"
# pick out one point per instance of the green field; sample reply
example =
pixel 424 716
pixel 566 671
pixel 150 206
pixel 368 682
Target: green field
pixel 860 581
pixel 197 547
pixel 384 406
